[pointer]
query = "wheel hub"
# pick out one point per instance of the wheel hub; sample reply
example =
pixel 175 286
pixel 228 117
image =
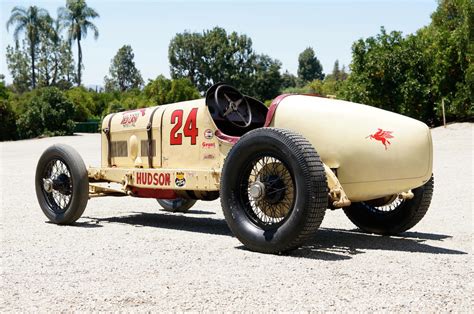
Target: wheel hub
pixel 61 184
pixel 257 190
pixel 275 189
pixel 48 185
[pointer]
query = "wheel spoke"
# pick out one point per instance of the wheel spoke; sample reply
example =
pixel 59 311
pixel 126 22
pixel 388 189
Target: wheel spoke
pixel 271 208
pixel 58 172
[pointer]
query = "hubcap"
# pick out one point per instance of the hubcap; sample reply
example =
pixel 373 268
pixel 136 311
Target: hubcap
pixel 48 185
pixel 257 190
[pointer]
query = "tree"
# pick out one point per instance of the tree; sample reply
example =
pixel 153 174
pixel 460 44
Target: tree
pixel 391 72
pixel 123 73
pixel 48 113
pixel 266 81
pixel 309 67
pixel 33 21
pixel 163 91
pixel 343 74
pixel 228 58
pixel 288 80
pixel 56 63
pixel 211 57
pixel 449 42
pixel 414 75
pixel 18 63
pixel 185 54
pixel 336 72
pixel 76 18
pixel 216 56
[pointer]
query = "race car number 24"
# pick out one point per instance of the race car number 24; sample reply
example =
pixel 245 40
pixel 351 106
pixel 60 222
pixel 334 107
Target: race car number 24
pixel 189 130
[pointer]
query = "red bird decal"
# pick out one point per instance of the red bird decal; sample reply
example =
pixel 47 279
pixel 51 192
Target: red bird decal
pixel 382 136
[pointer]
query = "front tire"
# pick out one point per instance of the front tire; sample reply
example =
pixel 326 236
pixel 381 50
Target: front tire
pixel 62 184
pixel 393 218
pixel 273 190
pixel 177 205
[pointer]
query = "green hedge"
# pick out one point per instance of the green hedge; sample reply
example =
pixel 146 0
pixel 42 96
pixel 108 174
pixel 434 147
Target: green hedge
pixel 90 126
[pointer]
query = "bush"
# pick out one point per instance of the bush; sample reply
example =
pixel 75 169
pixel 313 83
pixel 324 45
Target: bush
pixel 49 114
pixel 83 103
pixel 8 129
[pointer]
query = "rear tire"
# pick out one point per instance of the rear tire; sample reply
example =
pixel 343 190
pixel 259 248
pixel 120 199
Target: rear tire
pixel 273 190
pixel 401 216
pixel 62 184
pixel 177 205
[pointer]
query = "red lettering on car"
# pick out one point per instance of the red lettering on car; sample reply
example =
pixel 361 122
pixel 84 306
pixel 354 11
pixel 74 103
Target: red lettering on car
pixel 157 179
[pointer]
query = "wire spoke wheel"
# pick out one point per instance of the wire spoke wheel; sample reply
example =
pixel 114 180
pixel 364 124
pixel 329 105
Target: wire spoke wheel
pixel 273 190
pixel 57 185
pixel 392 205
pixel 391 215
pixel 268 190
pixel 62 184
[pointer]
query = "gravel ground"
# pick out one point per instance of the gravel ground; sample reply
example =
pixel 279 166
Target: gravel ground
pixel 124 254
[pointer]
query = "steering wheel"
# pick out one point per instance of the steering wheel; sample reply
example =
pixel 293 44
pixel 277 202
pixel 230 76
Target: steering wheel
pixel 230 100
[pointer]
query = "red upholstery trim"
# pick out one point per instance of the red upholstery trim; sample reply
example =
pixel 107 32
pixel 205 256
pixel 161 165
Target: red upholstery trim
pixel 154 193
pixel 268 119
pixel 273 107
pixel 227 138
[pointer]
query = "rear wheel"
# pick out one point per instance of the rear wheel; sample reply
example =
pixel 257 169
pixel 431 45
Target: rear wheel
pixel 181 205
pixel 62 184
pixel 273 190
pixel 394 217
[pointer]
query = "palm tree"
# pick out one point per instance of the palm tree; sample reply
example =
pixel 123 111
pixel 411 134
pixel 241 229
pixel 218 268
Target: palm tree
pixel 32 21
pixel 76 18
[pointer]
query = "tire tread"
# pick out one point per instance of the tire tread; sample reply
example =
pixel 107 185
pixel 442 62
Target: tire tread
pixel 316 182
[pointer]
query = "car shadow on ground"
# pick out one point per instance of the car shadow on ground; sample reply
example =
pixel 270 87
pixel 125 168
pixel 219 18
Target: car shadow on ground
pixel 80 224
pixel 326 244
pixel 334 243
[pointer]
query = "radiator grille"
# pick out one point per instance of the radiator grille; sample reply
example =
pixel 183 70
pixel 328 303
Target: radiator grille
pixel 144 148
pixel 119 149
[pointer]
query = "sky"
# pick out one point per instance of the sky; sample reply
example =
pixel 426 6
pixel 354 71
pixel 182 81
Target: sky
pixel 281 29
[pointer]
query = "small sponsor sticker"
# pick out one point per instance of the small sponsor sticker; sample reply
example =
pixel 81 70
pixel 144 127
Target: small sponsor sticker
pixel 180 179
pixel 208 134
pixel 208 145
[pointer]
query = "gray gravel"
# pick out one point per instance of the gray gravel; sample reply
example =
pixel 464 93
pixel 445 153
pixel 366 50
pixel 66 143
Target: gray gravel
pixel 124 254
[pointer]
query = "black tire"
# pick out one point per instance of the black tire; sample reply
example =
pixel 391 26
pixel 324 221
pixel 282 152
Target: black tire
pixel 289 171
pixel 393 218
pixel 177 205
pixel 62 184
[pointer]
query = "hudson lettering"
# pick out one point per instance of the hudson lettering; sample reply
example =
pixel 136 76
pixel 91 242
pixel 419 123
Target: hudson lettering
pixel 158 179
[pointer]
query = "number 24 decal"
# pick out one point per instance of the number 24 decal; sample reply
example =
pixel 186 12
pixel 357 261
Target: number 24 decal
pixel 189 130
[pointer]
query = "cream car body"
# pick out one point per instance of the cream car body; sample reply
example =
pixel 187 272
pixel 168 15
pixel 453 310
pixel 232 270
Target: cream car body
pixel 276 169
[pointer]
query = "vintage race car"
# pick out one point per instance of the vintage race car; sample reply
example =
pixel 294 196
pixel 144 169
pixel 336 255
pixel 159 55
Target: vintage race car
pixel 276 170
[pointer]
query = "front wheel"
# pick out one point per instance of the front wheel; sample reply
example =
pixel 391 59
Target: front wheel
pixel 395 217
pixel 177 205
pixel 273 190
pixel 62 184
